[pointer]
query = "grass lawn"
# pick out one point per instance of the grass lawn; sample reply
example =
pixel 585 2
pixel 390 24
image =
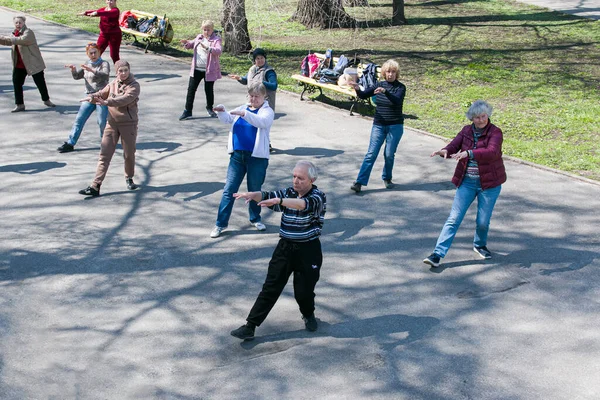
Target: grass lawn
pixel 539 69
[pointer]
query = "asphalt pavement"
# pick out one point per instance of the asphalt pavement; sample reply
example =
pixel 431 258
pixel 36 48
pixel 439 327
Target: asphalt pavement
pixel 126 296
pixel 581 8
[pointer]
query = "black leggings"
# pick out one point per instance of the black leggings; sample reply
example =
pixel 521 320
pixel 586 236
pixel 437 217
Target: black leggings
pixel 19 75
pixel 193 86
pixel 304 260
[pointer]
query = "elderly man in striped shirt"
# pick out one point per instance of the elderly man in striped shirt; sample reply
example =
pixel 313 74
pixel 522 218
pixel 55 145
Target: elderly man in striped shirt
pixel 298 251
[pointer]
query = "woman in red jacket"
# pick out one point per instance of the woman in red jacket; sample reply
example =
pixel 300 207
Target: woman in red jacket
pixel 110 32
pixel 479 174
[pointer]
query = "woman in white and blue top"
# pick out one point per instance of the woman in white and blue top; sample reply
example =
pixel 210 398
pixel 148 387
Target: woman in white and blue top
pixel 248 147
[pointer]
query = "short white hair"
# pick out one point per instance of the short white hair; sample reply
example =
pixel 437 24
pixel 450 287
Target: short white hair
pixel 310 167
pixel 477 108
pixel 21 17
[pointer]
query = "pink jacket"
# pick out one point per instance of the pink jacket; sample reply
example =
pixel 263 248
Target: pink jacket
pixel 488 155
pixel 213 68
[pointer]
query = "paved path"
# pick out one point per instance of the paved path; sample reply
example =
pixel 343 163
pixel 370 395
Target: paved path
pixel 581 8
pixel 126 296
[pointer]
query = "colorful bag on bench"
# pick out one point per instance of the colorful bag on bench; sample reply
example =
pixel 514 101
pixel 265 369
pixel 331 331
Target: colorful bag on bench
pixel 147 25
pixel 309 65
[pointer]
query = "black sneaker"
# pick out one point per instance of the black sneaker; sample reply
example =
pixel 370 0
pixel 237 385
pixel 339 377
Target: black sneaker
pixel 244 332
pixel 483 252
pixel 434 260
pixel 211 113
pixel 310 323
pixel 130 184
pixel 90 191
pixel 65 148
pixel 186 114
pixel 356 187
pixel 388 184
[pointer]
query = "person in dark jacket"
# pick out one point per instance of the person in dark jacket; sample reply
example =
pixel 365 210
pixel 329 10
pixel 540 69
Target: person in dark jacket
pixel 479 174
pixel 388 124
pixel 260 72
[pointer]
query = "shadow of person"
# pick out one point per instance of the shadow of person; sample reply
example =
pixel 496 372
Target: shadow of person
pixel 32 168
pixel 555 259
pixel 200 189
pixel 405 187
pixel 156 77
pixel 161 146
pixel 389 331
pixel 317 152
pixel 349 227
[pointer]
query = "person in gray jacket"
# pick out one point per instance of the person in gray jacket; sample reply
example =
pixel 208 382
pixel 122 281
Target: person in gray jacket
pixel 27 60
pixel 95 73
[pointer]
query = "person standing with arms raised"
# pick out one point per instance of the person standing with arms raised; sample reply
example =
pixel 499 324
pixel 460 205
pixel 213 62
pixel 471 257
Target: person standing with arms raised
pixel 110 31
pixel 27 60
pixel 298 252
pixel 121 96
pixel 205 66
pixel 95 73
pixel 388 124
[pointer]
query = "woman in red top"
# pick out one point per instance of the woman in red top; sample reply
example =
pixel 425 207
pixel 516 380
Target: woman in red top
pixel 110 32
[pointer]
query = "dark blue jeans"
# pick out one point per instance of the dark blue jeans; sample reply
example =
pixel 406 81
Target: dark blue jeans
pixel 241 163
pixel 391 135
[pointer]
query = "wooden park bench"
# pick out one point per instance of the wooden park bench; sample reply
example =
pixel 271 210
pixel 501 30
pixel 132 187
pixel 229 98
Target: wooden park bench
pixel 150 36
pixel 311 85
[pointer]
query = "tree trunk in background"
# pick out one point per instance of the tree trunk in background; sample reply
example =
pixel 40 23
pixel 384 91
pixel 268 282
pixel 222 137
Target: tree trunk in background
pixel 398 13
pixel 236 38
pixel 356 3
pixel 323 14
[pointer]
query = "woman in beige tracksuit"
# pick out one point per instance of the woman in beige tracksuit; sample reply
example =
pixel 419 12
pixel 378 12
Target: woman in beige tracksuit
pixel 121 97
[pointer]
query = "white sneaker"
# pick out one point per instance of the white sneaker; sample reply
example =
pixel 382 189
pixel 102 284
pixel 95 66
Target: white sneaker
pixel 216 232
pixel 259 226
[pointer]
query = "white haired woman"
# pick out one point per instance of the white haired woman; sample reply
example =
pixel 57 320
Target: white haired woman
pixel 249 153
pixel 27 60
pixel 388 124
pixel 479 174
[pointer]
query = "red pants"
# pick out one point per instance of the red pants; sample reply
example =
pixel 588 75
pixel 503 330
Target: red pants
pixel 110 39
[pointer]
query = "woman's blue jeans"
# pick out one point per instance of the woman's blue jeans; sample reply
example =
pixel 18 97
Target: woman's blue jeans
pixel 85 111
pixel 255 169
pixel 391 134
pixel 468 190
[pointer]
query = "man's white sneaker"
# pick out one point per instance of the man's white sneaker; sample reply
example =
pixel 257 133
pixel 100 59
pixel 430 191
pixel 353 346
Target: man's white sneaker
pixel 216 232
pixel 259 226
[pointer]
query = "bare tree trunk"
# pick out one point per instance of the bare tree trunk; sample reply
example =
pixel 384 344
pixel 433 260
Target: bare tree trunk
pixel 323 14
pixel 356 3
pixel 236 38
pixel 398 13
